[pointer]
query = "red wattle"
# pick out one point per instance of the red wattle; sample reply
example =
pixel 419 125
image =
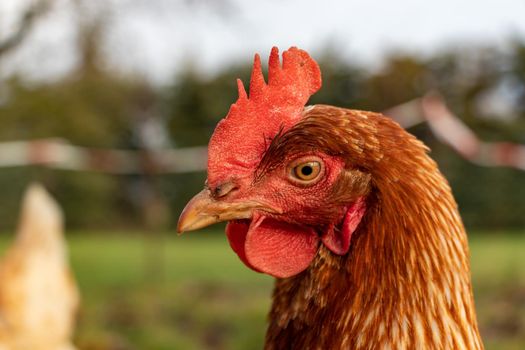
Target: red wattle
pixel 273 247
pixel 236 232
pixel 280 249
pixel 338 240
pixel 284 250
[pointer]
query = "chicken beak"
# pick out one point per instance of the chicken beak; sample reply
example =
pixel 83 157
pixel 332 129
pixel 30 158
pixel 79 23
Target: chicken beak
pixel 203 210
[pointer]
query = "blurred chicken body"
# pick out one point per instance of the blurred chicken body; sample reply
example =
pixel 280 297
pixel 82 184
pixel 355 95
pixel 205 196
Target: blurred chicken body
pixel 346 210
pixel 38 296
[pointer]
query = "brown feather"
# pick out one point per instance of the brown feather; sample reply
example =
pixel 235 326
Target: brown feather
pixel 405 283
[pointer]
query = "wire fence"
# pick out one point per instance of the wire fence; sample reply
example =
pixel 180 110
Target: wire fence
pixel 431 109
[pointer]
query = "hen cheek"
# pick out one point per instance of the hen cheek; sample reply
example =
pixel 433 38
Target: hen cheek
pixel 302 206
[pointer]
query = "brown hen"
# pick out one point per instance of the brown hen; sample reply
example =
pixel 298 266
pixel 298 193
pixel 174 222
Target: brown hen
pixel 347 210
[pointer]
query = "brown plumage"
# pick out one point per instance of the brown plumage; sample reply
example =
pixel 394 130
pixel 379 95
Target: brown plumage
pixel 405 283
pixel 38 295
pixel 347 211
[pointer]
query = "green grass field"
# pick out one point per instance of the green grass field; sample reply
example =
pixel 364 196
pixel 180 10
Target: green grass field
pixel 202 297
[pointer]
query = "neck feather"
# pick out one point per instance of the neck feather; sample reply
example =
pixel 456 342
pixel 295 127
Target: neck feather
pixel 404 284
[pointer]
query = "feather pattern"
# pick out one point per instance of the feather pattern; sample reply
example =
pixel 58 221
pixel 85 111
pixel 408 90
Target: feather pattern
pixel 405 283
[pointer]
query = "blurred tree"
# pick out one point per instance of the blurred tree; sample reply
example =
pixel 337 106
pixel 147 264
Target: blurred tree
pixel 402 79
pixel 517 72
pixel 96 107
pixel 92 107
pixel 341 81
pixel 195 104
pixel 28 19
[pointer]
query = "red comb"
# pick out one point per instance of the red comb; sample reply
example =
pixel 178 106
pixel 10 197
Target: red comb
pixel 240 139
pixel 298 78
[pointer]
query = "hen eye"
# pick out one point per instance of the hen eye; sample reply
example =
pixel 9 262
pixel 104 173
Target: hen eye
pixel 307 171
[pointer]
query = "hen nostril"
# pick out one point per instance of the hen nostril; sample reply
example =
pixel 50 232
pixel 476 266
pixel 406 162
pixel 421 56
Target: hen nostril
pixel 224 189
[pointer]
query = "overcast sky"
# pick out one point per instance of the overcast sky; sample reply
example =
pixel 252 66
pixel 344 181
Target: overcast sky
pixel 157 37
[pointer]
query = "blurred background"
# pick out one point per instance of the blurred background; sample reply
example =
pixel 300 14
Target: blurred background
pixel 152 78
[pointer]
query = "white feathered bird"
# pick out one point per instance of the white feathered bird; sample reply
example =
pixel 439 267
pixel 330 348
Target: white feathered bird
pixel 38 294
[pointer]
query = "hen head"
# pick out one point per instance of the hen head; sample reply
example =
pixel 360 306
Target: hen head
pixel 284 176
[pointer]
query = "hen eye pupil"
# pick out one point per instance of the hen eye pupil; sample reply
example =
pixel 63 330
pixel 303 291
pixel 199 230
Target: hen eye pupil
pixel 307 170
